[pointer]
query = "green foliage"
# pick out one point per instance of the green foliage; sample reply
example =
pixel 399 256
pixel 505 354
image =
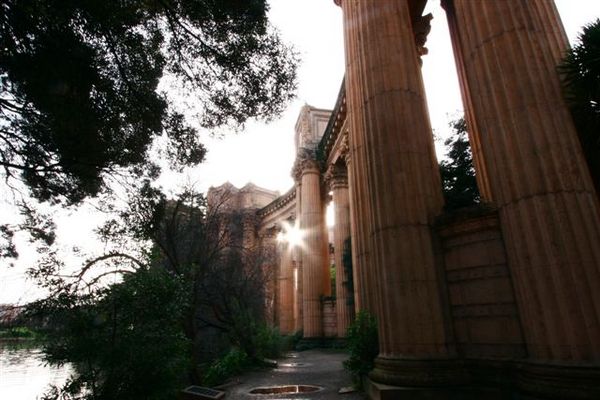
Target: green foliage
pixel 457 173
pixel 255 337
pixel 125 341
pixel 332 279
pixel 289 342
pixel 79 84
pixel 347 264
pixel 231 364
pixel 581 80
pixel 363 346
pixel 19 332
pixel 263 342
pixel 268 342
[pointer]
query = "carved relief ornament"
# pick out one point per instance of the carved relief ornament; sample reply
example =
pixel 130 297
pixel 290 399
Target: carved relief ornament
pixel 306 161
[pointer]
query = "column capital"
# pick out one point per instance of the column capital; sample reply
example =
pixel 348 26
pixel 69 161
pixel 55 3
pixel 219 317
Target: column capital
pixel 306 162
pixel 421 28
pixel 336 177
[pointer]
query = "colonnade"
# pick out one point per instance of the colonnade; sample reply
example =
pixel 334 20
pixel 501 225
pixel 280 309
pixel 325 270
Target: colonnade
pixel 529 166
pixel 386 191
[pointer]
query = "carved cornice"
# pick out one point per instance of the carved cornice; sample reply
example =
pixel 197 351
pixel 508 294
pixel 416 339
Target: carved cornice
pixel 334 126
pixel 278 203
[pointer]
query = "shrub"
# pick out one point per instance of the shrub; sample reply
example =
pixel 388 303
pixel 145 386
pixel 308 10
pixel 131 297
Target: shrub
pixel 268 342
pixel 18 333
pixel 363 346
pixel 223 368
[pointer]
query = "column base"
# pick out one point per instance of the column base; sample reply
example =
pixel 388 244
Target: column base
pixel 380 391
pixel 554 381
pixel 419 372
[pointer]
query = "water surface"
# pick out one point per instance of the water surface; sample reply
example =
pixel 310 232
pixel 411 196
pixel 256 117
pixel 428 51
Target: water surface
pixel 23 374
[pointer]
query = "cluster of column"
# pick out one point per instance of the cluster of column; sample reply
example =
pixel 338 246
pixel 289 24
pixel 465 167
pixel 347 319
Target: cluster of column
pixel 508 55
pixel 396 193
pixel 529 163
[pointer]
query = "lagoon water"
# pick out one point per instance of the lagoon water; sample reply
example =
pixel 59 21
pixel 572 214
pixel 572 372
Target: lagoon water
pixel 23 374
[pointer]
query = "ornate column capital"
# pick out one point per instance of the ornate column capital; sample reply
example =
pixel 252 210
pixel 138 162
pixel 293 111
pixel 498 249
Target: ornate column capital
pixel 421 28
pixel 336 177
pixel 306 162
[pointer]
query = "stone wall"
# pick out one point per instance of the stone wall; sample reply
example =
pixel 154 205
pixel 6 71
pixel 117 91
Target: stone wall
pixel 482 302
pixel 329 318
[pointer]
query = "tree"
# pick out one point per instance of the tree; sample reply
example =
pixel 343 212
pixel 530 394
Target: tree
pixel 581 80
pixel 221 281
pixel 124 342
pixel 457 173
pixel 79 98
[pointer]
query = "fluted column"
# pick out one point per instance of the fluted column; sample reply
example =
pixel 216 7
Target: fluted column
pixel 314 259
pixel 338 181
pixel 286 290
pixel 398 192
pixel 509 52
pixel 297 264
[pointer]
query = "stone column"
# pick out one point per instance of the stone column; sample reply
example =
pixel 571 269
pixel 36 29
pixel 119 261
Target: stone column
pixel 286 290
pixel 297 262
pixel 269 256
pixel 338 180
pixel 509 52
pixel 314 261
pixel 397 188
pixel 359 295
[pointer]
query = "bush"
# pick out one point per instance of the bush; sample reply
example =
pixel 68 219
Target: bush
pixel 363 345
pixel 125 341
pixel 268 342
pixel 18 333
pixel 223 368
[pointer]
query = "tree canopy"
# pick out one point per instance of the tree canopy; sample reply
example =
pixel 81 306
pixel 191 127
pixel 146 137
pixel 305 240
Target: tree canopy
pixel 79 93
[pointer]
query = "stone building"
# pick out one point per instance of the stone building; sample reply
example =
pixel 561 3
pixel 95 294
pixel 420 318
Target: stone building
pixel 504 296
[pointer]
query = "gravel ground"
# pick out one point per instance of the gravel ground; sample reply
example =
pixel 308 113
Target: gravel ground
pixel 321 368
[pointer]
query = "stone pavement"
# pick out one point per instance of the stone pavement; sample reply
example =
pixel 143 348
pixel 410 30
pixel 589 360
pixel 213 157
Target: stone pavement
pixel 312 367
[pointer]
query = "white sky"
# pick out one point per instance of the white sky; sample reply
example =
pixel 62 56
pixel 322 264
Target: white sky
pixel 264 154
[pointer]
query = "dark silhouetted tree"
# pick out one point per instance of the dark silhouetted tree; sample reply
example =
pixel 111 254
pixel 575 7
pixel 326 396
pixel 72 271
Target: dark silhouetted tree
pixel 457 173
pixel 581 79
pixel 79 94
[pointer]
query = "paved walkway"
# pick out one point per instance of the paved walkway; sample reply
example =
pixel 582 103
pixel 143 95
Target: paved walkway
pixel 312 367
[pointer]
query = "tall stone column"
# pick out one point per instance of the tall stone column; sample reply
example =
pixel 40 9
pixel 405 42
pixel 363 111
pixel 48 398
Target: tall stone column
pixel 509 52
pixel 297 261
pixel 286 290
pixel 397 186
pixel 270 260
pixel 338 181
pixel 314 259
pixel 355 232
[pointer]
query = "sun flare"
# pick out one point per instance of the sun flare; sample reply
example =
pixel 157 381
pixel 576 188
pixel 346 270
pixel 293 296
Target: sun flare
pixel 291 234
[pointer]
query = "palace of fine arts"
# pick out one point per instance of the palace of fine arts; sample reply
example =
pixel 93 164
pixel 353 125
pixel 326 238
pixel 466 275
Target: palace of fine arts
pixel 261 199
pixel 503 294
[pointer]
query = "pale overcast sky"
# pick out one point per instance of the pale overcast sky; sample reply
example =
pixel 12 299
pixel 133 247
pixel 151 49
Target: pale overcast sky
pixel 264 154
